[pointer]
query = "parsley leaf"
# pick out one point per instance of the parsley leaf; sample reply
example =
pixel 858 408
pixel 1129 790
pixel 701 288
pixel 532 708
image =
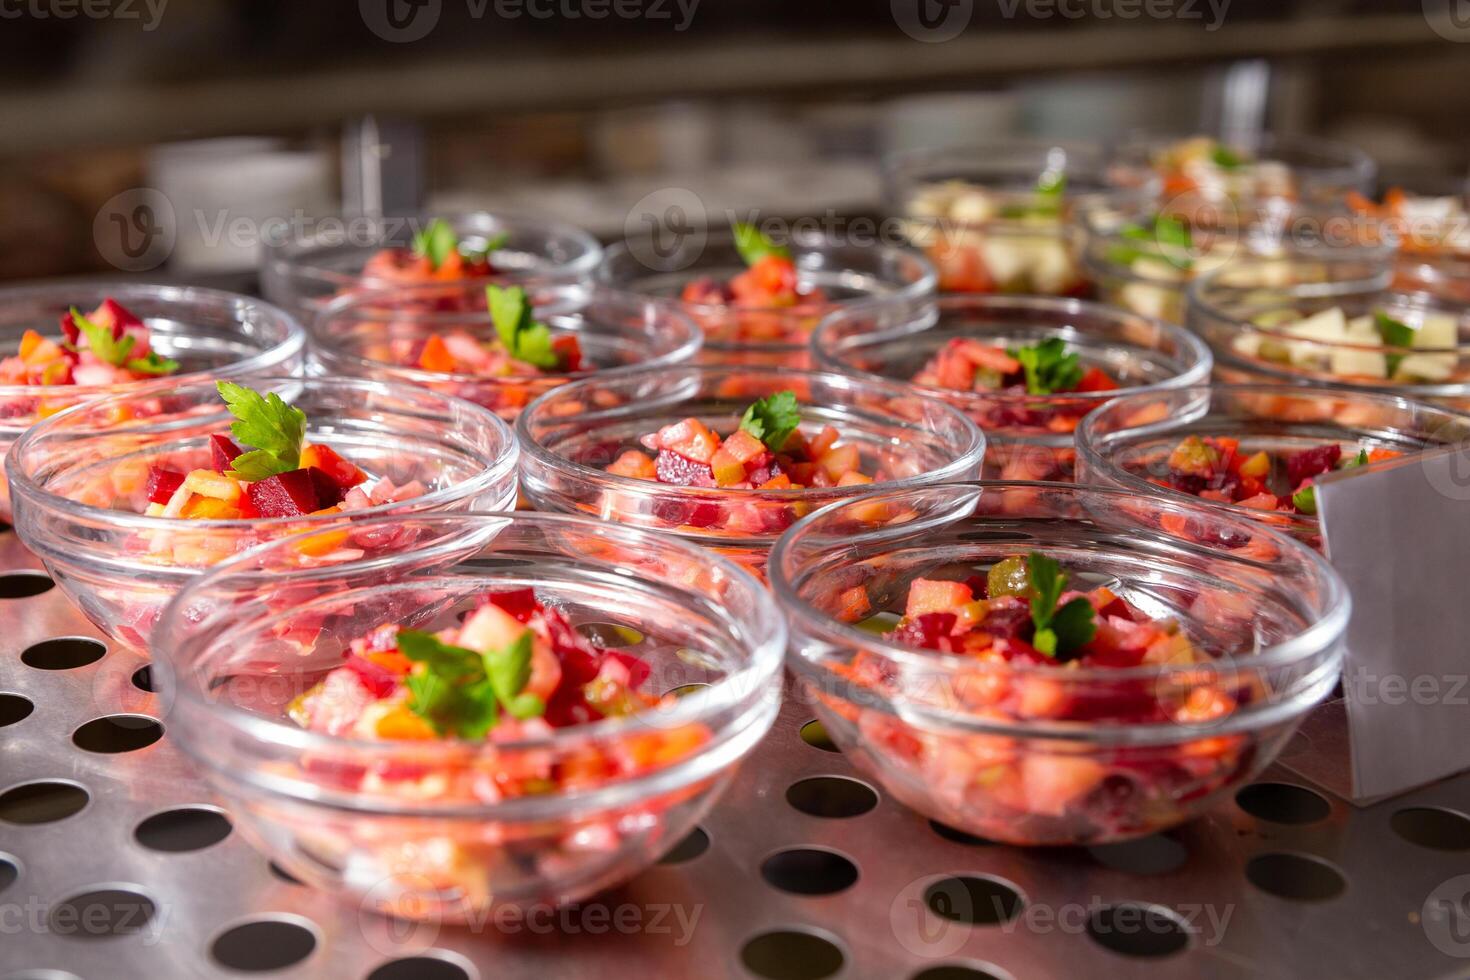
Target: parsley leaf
pixel 1164 236
pixel 1048 366
pixel 1395 333
pixel 754 245
pixel 273 430
pixel 461 692
pixel 494 244
pixel 1058 631
pixel 1052 184
pixel 153 364
pixel 773 419
pixel 436 242
pixel 524 338
pixel 101 342
pixel 509 671
pixel 1359 460
pixel 1305 500
pixel 1225 158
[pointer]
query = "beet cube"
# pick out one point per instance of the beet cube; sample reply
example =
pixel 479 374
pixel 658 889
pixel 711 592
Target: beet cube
pixel 1311 462
pixel 222 452
pixel 290 494
pixel 69 329
pixel 518 603
pixel 680 471
pixel 161 484
pixel 328 491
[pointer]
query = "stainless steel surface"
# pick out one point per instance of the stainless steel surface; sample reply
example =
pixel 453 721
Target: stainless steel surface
pixel 694 918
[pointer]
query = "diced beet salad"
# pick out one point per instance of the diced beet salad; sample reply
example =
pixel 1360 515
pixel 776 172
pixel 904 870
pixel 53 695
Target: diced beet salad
pixel 1045 368
pixel 769 283
pixel 515 669
pixel 436 255
pixel 271 472
pixel 111 345
pixel 1214 468
pixel 521 347
pixel 1013 636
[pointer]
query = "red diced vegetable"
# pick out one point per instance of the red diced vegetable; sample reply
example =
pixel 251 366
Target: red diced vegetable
pixel 682 471
pixel 519 603
pixel 222 452
pixel 290 494
pixel 374 677
pixel 1311 462
pixel 162 483
pixel 638 669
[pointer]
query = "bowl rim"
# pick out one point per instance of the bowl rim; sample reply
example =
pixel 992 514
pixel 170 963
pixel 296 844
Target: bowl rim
pixel 571 308
pixel 1090 444
pixel 744 690
pixel 1354 163
pixel 926 317
pixel 260 363
pixel 968 461
pixel 1315 637
pixel 24 487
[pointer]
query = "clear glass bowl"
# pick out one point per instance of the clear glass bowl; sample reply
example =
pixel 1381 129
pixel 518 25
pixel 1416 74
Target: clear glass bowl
pixel 1239 310
pixel 975 212
pixel 304 272
pixel 846 273
pixel 1293 167
pixel 1035 754
pixel 416 828
pixel 363 334
pixel 904 437
pixel 79 482
pixel 1127 443
pixel 1151 276
pixel 1030 436
pixel 210 333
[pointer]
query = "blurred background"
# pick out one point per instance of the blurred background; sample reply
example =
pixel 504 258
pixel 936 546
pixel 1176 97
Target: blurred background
pixel 158 135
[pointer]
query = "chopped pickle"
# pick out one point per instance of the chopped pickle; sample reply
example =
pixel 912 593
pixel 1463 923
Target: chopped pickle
pixel 1009 576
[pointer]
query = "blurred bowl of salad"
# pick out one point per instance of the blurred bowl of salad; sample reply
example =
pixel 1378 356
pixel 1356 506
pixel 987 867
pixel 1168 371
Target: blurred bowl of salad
pixel 1433 233
pixel 757 298
pixel 66 343
pixel 1332 322
pixel 1294 168
pixel 515 710
pixel 1025 369
pixel 305 269
pixel 1003 217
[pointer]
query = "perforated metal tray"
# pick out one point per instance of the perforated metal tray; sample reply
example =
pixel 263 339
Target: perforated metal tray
pixel 802 870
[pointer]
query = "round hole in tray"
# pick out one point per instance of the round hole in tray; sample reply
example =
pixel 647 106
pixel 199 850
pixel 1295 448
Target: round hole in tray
pixel 106 910
pixel 1433 827
pixel 814 733
pixel 423 967
pixel 264 944
pixel 112 734
pixel 1297 877
pixel 809 871
pixel 959 971
pixel 63 653
pixel 9 871
pixel 1152 855
pixel 44 801
pixel 791 954
pixel 611 634
pixel 1283 803
pixel 977 900
pixel 695 843
pixel 831 796
pixel 185 828
pixel 143 678
pixel 23 585
pixel 957 835
pixel 14 708
pixel 1135 929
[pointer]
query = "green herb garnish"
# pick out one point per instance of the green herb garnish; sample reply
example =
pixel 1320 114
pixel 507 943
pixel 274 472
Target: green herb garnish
pixel 1225 158
pixel 154 363
pixel 115 350
pixel 1359 460
pixel 1305 500
pixel 773 419
pixel 1048 366
pixel 1169 234
pixel 1395 333
pixel 754 244
pixel 273 430
pixel 463 692
pixel 1058 631
pixel 436 242
pixel 524 338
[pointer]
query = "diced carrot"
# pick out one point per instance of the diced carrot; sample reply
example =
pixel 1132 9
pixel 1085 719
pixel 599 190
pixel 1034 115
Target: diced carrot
pixel 436 356
pixel 823 442
pixel 936 595
pixel 779 482
pixel 1257 465
pixel 390 660
pixel 326 459
pixel 1261 501
pixel 852 479
pixel 210 509
pixel 853 604
pixel 400 723
pixel 843 459
pixel 319 543
pixel 29 341
pixel 634 464
pixel 743 446
pixel 726 468
pixel 1096 379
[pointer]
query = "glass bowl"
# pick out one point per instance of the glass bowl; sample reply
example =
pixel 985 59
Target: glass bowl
pixel 373 335
pixel 79 481
pixel 902 436
pixel 1030 436
pixel 303 272
pixel 1031 753
pixel 1128 442
pixel 976 211
pixel 1273 166
pixel 845 272
pixel 1141 261
pixel 421 829
pixel 1246 312
pixel 210 333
